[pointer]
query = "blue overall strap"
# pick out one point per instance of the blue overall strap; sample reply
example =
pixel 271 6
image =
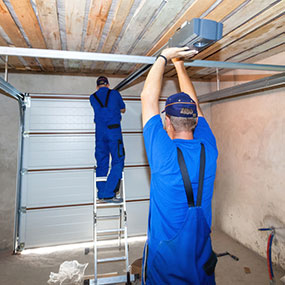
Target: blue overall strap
pixel 186 178
pixel 106 101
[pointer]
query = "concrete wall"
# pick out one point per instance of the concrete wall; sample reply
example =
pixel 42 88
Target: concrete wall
pixel 9 127
pixel 249 188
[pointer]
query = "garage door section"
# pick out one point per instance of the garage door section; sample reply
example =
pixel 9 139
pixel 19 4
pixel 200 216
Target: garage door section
pixel 57 174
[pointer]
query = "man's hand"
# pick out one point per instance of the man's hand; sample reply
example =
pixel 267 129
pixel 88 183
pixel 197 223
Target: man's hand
pixel 174 52
pixel 185 82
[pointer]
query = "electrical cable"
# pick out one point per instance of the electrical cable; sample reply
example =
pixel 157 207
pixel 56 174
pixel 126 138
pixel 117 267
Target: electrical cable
pixel 269 256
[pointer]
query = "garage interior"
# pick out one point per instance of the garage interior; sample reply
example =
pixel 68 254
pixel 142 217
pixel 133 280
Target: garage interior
pixel 53 158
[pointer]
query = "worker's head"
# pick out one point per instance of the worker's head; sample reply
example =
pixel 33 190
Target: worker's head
pixel 181 114
pixel 102 81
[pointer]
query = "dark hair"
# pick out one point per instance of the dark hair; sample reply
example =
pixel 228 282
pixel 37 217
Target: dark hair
pixel 183 123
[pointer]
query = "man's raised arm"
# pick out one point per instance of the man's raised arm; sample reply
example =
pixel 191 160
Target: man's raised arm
pixel 185 82
pixel 152 87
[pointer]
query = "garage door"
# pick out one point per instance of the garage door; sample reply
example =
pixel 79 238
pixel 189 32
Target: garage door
pixel 57 175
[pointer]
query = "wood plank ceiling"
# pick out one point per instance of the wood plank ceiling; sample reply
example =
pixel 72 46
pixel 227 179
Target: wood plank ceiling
pixel 253 30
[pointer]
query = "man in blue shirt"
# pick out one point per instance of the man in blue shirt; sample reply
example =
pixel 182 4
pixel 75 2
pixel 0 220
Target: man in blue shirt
pixel 186 128
pixel 108 106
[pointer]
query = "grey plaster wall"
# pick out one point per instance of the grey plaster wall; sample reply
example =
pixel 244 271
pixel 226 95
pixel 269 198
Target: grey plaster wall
pixel 9 126
pixel 249 188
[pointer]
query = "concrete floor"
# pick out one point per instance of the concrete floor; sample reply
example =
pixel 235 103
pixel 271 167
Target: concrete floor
pixel 34 268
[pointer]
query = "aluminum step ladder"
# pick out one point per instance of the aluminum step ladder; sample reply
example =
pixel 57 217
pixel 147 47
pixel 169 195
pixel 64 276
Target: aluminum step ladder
pixel 121 233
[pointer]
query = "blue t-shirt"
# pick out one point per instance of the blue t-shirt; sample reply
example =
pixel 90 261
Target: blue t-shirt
pixel 112 113
pixel 168 201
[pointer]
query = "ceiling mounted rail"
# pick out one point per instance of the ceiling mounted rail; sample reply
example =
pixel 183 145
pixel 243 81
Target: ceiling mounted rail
pixel 148 60
pixel 277 80
pixel 92 56
pixel 11 90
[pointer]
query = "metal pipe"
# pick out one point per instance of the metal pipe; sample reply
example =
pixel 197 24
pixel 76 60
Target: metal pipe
pixel 6 69
pixel 277 80
pixel 218 79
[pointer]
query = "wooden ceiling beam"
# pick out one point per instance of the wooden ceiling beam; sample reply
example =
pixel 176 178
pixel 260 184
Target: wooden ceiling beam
pixel 74 23
pixel 29 22
pixel 246 22
pixel 223 9
pixel 121 14
pixel 196 9
pixel 250 41
pixel 96 21
pixel 10 28
pixel 122 11
pixel 136 28
pixel 259 52
pixel 47 14
pixel 97 18
pixel 267 53
pixel 236 27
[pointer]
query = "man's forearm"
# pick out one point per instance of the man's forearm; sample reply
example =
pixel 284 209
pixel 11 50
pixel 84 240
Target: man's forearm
pixel 151 91
pixel 152 87
pixel 186 84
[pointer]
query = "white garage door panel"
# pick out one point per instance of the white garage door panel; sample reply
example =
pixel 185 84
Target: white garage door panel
pixel 132 119
pixel 54 143
pixel 137 218
pixel 54 188
pixel 74 115
pixel 74 224
pixel 63 151
pixel 134 147
pixel 137 183
pixel 57 188
pixel 59 115
pixel 58 151
pixel 58 226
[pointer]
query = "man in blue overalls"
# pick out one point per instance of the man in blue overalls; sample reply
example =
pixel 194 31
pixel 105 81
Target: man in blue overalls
pixel 178 248
pixel 108 106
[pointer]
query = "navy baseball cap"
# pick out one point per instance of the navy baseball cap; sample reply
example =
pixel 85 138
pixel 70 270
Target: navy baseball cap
pixel 175 103
pixel 102 80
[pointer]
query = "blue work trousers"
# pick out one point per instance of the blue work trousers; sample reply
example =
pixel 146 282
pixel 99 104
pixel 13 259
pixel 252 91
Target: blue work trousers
pixel 109 141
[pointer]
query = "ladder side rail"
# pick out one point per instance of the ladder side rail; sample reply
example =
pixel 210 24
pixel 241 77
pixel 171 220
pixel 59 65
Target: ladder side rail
pixel 125 225
pixel 95 225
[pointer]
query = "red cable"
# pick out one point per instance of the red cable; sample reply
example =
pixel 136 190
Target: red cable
pixel 268 261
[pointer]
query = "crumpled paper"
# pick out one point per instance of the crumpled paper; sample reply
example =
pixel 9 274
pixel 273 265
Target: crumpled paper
pixel 70 272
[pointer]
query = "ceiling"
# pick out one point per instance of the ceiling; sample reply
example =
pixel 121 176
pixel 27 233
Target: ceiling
pixel 253 30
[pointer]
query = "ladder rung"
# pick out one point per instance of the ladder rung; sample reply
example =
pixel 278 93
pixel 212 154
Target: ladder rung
pixel 102 205
pixel 108 217
pixel 101 179
pixel 111 259
pixel 112 280
pixel 110 231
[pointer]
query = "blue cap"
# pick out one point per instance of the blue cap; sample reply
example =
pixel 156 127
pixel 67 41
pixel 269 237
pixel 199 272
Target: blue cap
pixel 175 103
pixel 102 80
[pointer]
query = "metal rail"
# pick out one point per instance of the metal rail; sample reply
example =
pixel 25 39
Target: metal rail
pixel 148 60
pixel 11 90
pixel 277 80
pixel 77 55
